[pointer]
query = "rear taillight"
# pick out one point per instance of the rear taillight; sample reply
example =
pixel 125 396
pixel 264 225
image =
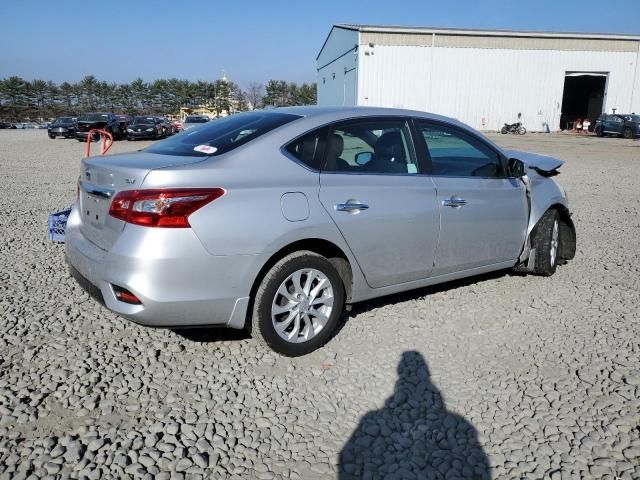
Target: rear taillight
pixel 167 208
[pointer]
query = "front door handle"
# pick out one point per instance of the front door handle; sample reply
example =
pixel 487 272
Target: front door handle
pixel 454 202
pixel 350 207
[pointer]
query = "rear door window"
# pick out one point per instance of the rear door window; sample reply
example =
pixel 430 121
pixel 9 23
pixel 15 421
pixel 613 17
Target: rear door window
pixel 308 149
pixel 222 135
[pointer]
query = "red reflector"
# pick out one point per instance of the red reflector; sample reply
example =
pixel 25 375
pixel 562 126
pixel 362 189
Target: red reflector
pixel 168 208
pixel 126 296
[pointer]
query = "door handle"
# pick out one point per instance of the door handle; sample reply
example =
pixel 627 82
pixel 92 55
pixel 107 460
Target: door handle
pixel 454 202
pixel 350 207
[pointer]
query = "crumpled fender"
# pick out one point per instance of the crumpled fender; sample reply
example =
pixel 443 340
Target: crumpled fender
pixel 544 192
pixel 543 164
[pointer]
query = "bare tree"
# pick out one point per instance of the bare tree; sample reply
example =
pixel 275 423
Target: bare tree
pixel 254 94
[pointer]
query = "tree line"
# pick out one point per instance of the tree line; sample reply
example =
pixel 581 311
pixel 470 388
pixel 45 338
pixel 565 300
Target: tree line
pixel 23 100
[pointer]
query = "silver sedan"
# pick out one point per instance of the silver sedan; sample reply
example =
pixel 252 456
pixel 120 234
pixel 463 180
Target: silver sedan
pixel 271 221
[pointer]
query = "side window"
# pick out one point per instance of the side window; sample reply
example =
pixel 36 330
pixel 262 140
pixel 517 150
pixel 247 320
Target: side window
pixel 306 149
pixel 370 147
pixel 456 155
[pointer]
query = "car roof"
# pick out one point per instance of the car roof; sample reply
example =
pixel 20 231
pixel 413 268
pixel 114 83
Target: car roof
pixel 341 112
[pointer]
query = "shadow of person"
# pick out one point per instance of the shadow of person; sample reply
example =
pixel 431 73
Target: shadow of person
pixel 413 435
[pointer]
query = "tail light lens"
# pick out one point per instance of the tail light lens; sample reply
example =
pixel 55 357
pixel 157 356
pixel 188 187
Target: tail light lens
pixel 167 208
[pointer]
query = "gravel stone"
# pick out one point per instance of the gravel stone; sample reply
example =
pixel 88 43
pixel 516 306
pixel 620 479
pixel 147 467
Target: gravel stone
pixel 502 376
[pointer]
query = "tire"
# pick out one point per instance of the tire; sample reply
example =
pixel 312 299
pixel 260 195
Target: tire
pixel 521 131
pixel 504 130
pixel 628 134
pixel 546 241
pixel 52 137
pixel 271 307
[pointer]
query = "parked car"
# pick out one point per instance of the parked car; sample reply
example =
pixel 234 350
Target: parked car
pixel 193 121
pixel 27 125
pixel 124 122
pixel 103 121
pixel 167 127
pixel 177 126
pixel 145 127
pixel 273 220
pixel 62 127
pixel 7 125
pixel 625 125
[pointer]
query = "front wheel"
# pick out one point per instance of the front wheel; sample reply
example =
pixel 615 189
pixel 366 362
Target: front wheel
pixel 298 304
pixel 522 131
pixel 504 130
pixel 546 241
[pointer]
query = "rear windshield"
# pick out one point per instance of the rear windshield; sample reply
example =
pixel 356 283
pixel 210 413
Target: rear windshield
pixel 94 117
pixel 223 135
pixel 63 120
pixel 143 120
pixel 196 120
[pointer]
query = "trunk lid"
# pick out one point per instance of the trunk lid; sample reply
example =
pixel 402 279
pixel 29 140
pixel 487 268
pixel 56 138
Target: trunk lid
pixel 101 178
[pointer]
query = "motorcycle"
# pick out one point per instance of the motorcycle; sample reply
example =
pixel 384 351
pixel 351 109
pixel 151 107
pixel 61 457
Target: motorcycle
pixel 515 128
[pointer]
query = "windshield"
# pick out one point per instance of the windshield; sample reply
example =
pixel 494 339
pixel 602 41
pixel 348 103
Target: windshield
pixel 94 117
pixel 222 135
pixel 196 120
pixel 149 120
pixel 63 120
pixel 633 118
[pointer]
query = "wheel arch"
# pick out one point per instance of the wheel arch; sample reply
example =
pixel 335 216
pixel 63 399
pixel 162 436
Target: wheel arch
pixel 327 249
pixel 567 231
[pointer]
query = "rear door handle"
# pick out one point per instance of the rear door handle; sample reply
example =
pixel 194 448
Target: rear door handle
pixel 454 202
pixel 350 207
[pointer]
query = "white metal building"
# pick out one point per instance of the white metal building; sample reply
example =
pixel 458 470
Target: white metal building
pixel 483 78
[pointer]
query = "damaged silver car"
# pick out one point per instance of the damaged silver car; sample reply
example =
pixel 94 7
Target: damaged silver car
pixel 272 220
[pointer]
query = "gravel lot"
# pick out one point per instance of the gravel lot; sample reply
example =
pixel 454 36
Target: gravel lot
pixel 503 376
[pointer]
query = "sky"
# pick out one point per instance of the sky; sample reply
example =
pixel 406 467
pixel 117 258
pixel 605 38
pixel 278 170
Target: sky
pixel 118 41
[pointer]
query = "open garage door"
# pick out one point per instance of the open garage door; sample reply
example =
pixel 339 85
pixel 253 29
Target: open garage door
pixel 582 97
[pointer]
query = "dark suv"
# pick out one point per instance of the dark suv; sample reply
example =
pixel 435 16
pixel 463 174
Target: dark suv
pixel 103 121
pixel 626 125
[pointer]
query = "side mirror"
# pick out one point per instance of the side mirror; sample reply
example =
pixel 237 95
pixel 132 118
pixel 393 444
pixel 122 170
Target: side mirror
pixel 517 168
pixel 362 158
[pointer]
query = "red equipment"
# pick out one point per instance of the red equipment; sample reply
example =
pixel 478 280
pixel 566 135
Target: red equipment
pixel 105 145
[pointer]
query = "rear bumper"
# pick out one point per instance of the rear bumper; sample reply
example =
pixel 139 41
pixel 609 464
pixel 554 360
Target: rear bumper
pixel 178 282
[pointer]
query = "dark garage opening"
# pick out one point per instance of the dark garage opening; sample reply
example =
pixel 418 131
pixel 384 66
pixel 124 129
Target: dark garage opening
pixel 582 97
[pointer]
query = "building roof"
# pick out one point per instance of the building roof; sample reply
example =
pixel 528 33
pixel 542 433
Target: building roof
pixel 473 31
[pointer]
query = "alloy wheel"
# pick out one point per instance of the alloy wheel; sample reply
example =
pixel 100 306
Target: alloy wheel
pixel 302 305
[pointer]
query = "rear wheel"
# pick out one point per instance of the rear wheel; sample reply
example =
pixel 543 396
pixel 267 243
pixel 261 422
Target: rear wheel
pixel 547 243
pixel 627 133
pixel 298 304
pixel 522 131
